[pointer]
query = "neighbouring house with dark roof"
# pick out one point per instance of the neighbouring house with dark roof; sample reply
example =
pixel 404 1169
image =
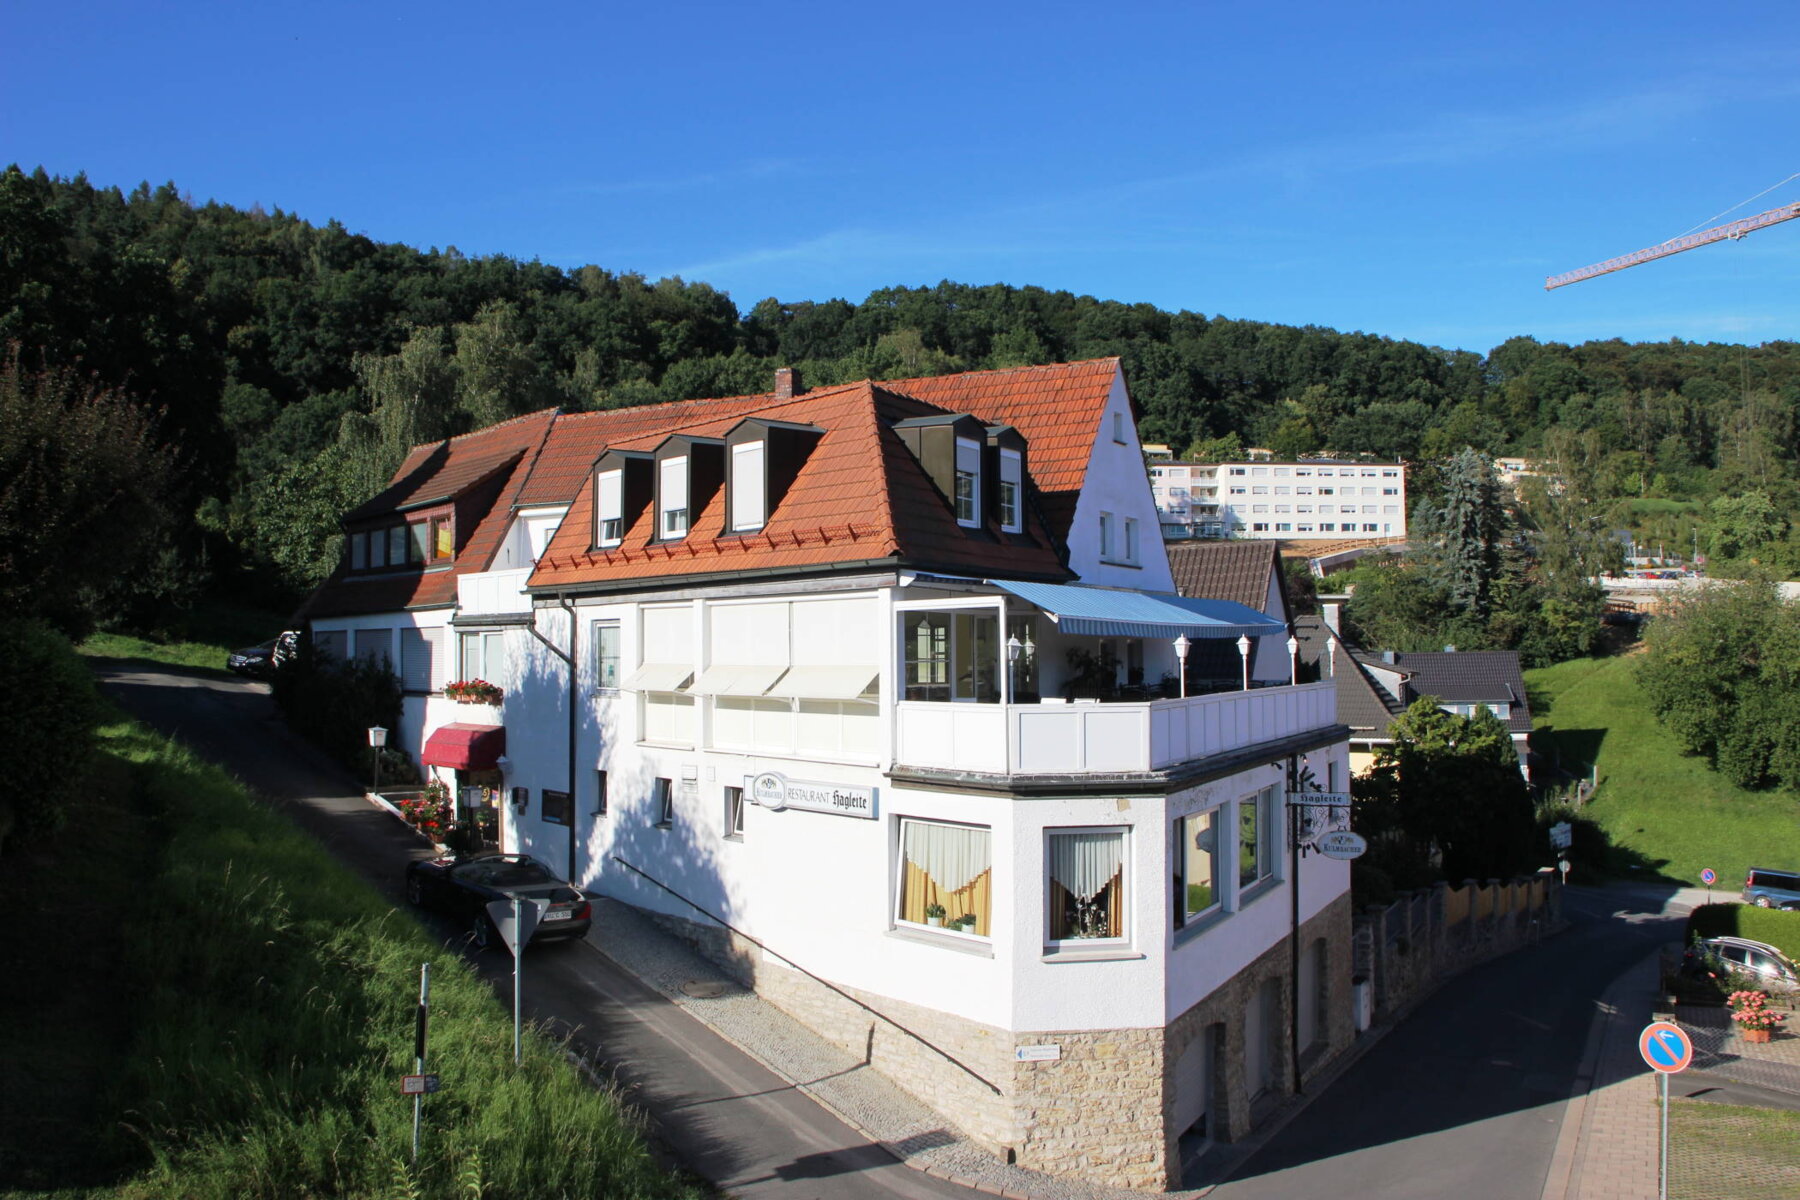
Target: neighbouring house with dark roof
pixel 1375 688
pixel 883 674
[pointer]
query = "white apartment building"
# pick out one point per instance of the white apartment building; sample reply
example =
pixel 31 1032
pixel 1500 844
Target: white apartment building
pixel 1315 499
pixel 883 684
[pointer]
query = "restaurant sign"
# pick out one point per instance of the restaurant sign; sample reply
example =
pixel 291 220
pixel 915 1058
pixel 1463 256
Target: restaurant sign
pixel 771 789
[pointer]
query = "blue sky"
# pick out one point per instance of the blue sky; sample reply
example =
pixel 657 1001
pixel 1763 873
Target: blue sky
pixel 1407 170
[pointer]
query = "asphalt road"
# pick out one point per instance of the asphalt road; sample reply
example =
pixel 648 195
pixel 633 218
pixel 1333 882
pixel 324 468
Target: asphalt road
pixel 713 1109
pixel 1465 1097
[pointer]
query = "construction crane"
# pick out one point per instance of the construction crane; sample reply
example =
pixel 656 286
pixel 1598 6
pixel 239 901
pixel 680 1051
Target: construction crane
pixel 1718 233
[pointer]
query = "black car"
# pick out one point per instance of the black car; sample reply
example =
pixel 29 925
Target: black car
pixel 465 887
pixel 259 661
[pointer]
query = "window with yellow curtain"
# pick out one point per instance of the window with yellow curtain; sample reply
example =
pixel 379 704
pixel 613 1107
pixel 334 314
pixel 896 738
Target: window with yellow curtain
pixel 1086 884
pixel 946 876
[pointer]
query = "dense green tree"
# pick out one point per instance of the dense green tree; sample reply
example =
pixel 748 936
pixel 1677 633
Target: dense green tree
pixel 1448 792
pixel 1458 537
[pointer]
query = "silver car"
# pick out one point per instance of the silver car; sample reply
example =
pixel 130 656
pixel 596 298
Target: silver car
pixel 1773 970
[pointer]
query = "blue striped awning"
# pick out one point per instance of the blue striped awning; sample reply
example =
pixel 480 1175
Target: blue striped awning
pixel 1104 612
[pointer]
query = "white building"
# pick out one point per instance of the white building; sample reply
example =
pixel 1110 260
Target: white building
pixel 1313 499
pixel 885 678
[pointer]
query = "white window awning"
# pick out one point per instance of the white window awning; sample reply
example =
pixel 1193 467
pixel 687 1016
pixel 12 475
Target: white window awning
pixel 735 681
pixel 825 683
pixel 658 677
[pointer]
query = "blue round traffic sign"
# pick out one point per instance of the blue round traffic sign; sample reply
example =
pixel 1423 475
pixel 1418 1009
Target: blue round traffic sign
pixel 1666 1046
pixel 1709 876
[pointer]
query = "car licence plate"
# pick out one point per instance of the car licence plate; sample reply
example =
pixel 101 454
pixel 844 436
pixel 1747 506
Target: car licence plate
pixel 558 915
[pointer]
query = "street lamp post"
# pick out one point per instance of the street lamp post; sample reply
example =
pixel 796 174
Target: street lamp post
pixel 1243 645
pixel 1182 646
pixel 377 739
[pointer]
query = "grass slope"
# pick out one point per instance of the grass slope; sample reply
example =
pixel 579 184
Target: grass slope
pixel 1672 811
pixel 211 1007
pixel 200 641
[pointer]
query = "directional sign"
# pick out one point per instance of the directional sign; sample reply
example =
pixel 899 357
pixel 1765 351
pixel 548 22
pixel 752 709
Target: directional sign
pixel 516 933
pixel 1666 1047
pixel 1320 799
pixel 419 1085
pixel 1709 877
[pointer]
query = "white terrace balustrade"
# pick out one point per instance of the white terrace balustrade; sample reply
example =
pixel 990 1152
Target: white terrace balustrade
pixel 1089 681
pixel 1104 738
pixel 494 592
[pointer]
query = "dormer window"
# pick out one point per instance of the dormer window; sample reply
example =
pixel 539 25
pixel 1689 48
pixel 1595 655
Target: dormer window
pixel 359 551
pixel 1012 476
pixel 609 508
pixel 748 487
pixel 968 482
pixel 672 498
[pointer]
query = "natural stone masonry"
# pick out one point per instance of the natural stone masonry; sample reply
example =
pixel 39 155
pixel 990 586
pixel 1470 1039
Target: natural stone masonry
pixel 1102 1110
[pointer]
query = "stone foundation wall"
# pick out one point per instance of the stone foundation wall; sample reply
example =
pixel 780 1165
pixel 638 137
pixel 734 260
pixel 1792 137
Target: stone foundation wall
pixel 1101 1110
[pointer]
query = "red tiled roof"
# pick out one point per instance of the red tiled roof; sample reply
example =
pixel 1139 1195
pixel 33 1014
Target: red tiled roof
pixel 1057 407
pixel 860 497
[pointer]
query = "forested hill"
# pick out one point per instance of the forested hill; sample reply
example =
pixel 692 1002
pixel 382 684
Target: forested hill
pixel 293 362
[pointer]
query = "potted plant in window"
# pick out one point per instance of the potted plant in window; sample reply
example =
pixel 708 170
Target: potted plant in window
pixel 966 923
pixel 934 914
pixel 473 691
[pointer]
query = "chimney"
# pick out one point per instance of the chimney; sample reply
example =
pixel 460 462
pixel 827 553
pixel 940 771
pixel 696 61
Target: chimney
pixel 786 383
pixel 1331 614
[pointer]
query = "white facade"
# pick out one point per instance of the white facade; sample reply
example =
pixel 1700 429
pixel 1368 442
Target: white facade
pixel 1321 500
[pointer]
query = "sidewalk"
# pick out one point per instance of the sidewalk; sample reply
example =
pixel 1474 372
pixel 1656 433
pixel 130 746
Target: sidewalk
pixel 1611 1138
pixel 860 1096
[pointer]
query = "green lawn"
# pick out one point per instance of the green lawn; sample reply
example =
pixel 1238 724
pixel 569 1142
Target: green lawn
pixel 1727 1152
pixel 196 1000
pixel 199 640
pixel 1673 812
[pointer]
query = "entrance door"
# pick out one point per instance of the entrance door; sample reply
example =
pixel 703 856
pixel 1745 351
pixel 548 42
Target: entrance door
pixel 1194 1071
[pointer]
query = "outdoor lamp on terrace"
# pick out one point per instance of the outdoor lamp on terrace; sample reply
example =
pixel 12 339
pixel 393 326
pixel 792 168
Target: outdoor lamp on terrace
pixel 1293 645
pixel 1182 646
pixel 1013 646
pixel 1244 653
pixel 377 739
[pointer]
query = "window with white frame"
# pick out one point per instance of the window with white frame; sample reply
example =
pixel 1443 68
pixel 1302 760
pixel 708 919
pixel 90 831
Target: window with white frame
pixel 424 666
pixel 1085 885
pixel 1257 832
pixel 748 491
pixel 600 796
pixel 609 508
pixel 483 655
pixel 734 813
pixel 606 655
pixel 672 498
pixel 1197 884
pixel 1131 540
pixel 1118 432
pixel 1012 482
pixel 945 876
pixel 662 802
pixel 950 656
pixel 968 482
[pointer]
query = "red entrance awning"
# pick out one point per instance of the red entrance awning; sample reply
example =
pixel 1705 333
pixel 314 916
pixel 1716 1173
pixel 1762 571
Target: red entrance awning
pixel 466 747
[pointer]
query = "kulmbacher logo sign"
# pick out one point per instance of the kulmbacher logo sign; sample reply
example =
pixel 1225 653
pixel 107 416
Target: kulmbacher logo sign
pixel 774 790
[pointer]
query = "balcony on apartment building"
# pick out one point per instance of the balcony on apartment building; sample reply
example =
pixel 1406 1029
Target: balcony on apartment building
pixel 1091 681
pixel 494 593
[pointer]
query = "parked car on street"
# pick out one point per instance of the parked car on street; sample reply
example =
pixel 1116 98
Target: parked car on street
pixel 464 888
pixel 1772 970
pixel 259 661
pixel 1767 887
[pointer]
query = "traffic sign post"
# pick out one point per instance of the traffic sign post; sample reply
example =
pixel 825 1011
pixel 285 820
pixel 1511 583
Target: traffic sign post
pixel 1668 1049
pixel 418 1084
pixel 1709 877
pixel 516 922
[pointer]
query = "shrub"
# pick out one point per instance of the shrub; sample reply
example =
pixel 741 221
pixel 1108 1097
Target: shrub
pixel 334 704
pixel 53 729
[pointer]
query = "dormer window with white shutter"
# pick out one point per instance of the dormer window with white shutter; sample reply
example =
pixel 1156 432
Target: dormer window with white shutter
pixel 672 498
pixel 1012 478
pixel 968 483
pixel 749 490
pixel 609 508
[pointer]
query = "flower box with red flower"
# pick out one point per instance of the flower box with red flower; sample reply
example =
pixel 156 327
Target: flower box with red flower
pixel 473 691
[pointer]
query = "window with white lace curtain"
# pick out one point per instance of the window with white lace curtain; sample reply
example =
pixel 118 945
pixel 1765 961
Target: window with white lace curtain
pixel 946 876
pixel 1085 885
